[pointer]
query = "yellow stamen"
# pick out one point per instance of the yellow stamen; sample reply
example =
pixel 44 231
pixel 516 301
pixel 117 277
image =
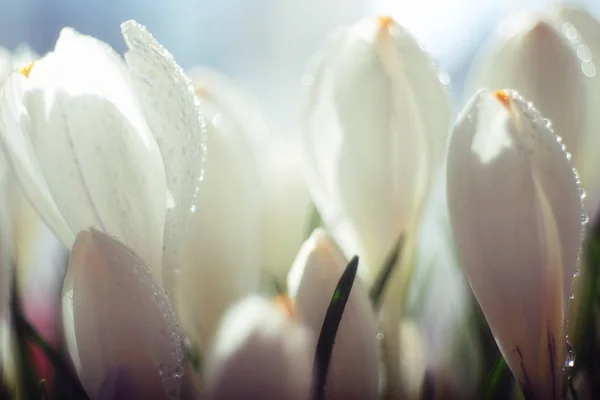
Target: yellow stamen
pixel 285 304
pixel 503 97
pixel 386 22
pixel 25 71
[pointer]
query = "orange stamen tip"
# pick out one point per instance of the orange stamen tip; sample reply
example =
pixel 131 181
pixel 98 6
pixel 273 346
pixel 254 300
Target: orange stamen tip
pixel 285 304
pixel 386 21
pixel 503 97
pixel 25 71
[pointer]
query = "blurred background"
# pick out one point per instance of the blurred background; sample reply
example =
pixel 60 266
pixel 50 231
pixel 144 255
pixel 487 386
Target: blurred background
pixel 264 45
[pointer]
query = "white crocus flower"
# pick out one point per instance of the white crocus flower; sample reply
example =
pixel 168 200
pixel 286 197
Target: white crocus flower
pixel 260 351
pixel 97 142
pixel 221 251
pixel 355 361
pixel 118 322
pixel 551 58
pixel 374 126
pixel 286 201
pixel 515 211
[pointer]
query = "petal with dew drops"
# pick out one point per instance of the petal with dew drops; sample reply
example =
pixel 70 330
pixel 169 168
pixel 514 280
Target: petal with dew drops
pixel 121 320
pixel 551 58
pixel 94 146
pixel 20 155
pixel 172 111
pixel 515 211
pixel 354 369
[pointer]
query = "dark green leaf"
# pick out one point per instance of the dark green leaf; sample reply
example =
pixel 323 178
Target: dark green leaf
pixel 494 380
pixel 330 326
pixel 585 327
pixel 43 395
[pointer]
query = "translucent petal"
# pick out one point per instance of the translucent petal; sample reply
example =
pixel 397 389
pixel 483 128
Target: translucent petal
pixel 375 125
pixel 287 201
pixel 550 59
pixel 259 353
pixel 354 368
pixel 121 319
pixel 516 215
pixel 15 128
pixel 96 151
pixel 170 106
pixel 220 257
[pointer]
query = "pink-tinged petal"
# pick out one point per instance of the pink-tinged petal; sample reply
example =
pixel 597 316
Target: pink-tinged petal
pixel 172 111
pixel 515 211
pixel 121 320
pixel 260 352
pixel 375 124
pixel 96 151
pixel 354 369
pixel 220 254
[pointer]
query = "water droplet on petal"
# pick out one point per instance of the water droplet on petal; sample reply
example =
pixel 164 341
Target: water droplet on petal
pixel 570 359
pixel 576 273
pixel 571 296
pixel 568 155
pixel 582 194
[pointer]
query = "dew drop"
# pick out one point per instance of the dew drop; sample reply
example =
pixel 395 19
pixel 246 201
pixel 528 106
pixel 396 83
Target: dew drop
pixel 380 336
pixel 568 155
pixel 576 273
pixel 585 219
pixel 570 359
pixel 559 139
pixel 571 296
pixel 582 194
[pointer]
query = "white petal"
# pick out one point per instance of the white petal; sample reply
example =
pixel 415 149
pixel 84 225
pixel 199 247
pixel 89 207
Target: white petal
pixel 516 215
pixel 354 369
pixel 170 106
pixel 287 201
pixel 121 319
pixel 96 151
pixel 242 109
pixel 20 155
pixel 375 125
pixel 259 353
pixel 550 59
pixel 220 256
pixel 288 205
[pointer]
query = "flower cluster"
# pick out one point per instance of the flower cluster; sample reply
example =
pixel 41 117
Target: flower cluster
pixel 211 259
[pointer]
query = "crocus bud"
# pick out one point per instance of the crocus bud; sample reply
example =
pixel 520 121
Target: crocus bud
pixel 374 124
pixel 550 58
pixel 118 322
pixel 260 352
pixel 515 211
pixel 354 369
